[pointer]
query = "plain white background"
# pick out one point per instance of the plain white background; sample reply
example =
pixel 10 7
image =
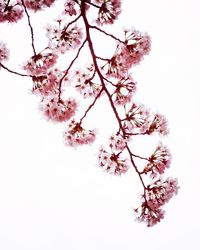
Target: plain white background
pixel 54 197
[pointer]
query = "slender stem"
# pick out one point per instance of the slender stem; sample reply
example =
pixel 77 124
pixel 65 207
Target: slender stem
pixel 109 82
pixel 103 59
pixel 12 71
pixel 67 70
pixel 94 5
pixel 31 28
pixel 140 157
pixel 136 169
pixel 73 21
pixel 106 33
pixel 91 105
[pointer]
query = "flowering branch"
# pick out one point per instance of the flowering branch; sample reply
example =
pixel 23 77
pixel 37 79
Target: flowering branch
pixel 109 76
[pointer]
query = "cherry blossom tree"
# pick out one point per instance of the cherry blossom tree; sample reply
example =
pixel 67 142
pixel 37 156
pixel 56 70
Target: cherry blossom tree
pixel 103 76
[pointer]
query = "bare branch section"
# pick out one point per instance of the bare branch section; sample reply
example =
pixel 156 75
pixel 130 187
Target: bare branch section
pixel 30 26
pixel 12 71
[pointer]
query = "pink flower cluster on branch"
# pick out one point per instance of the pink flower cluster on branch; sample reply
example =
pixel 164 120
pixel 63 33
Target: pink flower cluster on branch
pixel 10 11
pixel 110 77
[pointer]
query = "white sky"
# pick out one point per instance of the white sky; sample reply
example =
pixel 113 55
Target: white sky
pixel 53 197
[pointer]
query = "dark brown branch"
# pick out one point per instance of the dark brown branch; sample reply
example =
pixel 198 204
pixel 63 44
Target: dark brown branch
pixel 140 157
pixel 94 5
pixel 31 28
pixel 12 71
pixel 106 33
pixel 91 105
pixel 73 21
pixel 87 27
pixel 103 59
pixel 136 169
pixel 67 70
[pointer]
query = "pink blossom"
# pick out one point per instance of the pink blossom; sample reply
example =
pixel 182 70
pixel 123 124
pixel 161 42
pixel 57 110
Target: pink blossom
pixel 115 67
pixel 4 52
pixel 63 38
pixel 86 84
pixel 76 135
pixel 124 90
pixel 117 142
pixel 160 192
pixel 38 5
pixel 47 84
pixel 149 216
pixel 156 195
pixel 159 124
pixel 109 11
pixel 159 161
pixel 58 111
pixel 70 7
pixel 39 64
pixel 136 119
pixel 112 163
pixel 136 45
pixel 10 11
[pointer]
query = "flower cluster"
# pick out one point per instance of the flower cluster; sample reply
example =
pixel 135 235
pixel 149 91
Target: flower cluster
pixel 38 5
pixel 70 8
pixel 128 53
pixel 156 195
pixel 115 67
pixel 10 11
pixel 158 161
pixel 117 142
pixel 58 110
pixel 86 85
pixel 39 64
pixel 46 84
pixel 4 52
pixel 136 119
pixel 111 162
pixel 124 90
pixel 63 37
pixel 76 135
pixel 159 124
pixel 109 11
pixel 136 45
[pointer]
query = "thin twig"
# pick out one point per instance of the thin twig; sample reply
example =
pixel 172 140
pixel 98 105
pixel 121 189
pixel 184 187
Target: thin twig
pixel 91 105
pixel 73 21
pixel 106 33
pixel 96 6
pixel 12 71
pixel 67 70
pixel 103 59
pixel 31 28
pixel 136 169
pixel 140 157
